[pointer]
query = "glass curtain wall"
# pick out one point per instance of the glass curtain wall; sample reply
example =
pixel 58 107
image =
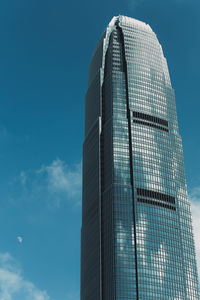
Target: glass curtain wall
pixel 137 240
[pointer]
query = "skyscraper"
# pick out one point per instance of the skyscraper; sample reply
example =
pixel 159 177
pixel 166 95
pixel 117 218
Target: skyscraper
pixel 137 240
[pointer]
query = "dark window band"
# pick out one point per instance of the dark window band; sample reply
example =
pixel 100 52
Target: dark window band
pixel 150 125
pixel 147 201
pixel 150 118
pixel 155 195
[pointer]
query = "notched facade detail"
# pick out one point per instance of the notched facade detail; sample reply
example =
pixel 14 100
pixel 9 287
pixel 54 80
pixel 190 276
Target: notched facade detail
pixel 137 240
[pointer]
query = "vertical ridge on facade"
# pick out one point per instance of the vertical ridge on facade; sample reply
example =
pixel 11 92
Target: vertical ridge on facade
pixel 131 155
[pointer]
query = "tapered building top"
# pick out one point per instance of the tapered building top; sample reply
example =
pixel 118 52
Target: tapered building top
pixel 137 240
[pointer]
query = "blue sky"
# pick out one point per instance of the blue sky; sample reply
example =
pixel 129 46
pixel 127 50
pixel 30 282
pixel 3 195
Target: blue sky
pixel 45 51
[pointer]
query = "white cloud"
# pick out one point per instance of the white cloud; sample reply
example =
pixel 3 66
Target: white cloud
pixel 13 285
pixel 62 178
pixel 55 183
pixel 195 206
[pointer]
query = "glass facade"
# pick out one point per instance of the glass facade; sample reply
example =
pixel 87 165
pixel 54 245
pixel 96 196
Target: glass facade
pixel 137 240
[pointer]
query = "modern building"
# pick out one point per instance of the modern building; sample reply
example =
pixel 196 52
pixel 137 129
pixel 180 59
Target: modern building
pixel 137 240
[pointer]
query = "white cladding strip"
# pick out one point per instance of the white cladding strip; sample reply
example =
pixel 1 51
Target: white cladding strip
pixel 109 30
